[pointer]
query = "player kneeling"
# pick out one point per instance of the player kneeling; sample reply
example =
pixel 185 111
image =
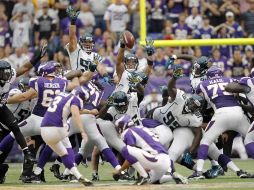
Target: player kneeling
pixel 54 127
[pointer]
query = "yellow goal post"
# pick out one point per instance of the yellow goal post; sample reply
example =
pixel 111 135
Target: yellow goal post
pixel 189 42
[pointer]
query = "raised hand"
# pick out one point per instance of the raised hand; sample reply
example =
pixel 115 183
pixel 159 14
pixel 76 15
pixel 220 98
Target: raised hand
pixel 149 47
pixel 170 62
pixel 178 71
pixel 72 14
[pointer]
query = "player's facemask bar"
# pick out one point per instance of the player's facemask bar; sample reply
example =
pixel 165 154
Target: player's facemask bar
pixel 5 75
pixel 87 44
pixel 192 105
pixel 131 64
pixel 121 107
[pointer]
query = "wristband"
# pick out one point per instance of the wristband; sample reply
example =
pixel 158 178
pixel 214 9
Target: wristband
pixel 149 62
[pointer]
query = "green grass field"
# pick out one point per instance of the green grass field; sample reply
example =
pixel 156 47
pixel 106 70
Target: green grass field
pixel 229 181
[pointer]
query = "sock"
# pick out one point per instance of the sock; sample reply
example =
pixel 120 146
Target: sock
pixel 200 164
pixel 250 149
pixel 5 143
pixel 71 154
pixel 75 172
pixel 78 158
pixel 110 157
pixel 223 161
pixel 44 156
pixel 37 171
pixel 66 172
pixel 68 163
pixel 214 163
pixel 202 154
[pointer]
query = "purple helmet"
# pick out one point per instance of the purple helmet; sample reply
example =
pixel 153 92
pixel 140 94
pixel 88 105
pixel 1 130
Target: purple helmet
pixel 214 71
pixel 81 92
pixel 47 68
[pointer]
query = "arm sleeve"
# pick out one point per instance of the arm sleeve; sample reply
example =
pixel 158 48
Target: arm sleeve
pixel 129 138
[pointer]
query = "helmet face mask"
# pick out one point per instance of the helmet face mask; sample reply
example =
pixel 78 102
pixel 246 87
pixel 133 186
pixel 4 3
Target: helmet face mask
pixel 5 75
pixel 24 84
pixel 86 42
pixel 200 66
pixel 193 104
pixel 131 62
pixel 120 102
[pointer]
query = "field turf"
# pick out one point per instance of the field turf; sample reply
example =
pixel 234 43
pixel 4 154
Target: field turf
pixel 228 181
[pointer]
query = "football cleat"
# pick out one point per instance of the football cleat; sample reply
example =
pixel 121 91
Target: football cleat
pixel 55 170
pixel 142 181
pixel 73 179
pixel 95 177
pixel 36 178
pixel 179 179
pixel 214 172
pixel 123 176
pixel 197 175
pixel 85 182
pixel 243 174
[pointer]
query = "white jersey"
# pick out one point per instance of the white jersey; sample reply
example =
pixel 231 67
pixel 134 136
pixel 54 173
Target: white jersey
pixel 132 110
pixel 6 87
pixel 21 110
pixel 79 59
pixel 247 81
pixel 172 114
pixel 195 81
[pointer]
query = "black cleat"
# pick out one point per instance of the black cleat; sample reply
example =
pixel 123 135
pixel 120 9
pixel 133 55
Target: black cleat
pixel 3 170
pixel 95 177
pixel 142 181
pixel 36 178
pixel 55 170
pixel 73 179
pixel 25 178
pixel 85 182
pixel 123 176
pixel 243 174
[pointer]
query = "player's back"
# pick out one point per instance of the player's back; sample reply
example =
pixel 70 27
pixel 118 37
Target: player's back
pixel 143 138
pixel 59 110
pixel 215 93
pixel 47 89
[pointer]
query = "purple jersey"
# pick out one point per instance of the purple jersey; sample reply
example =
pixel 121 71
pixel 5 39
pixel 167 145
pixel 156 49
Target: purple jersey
pixel 143 138
pixel 150 123
pixel 95 95
pixel 47 90
pixel 221 63
pixel 60 110
pixel 181 32
pixel 215 94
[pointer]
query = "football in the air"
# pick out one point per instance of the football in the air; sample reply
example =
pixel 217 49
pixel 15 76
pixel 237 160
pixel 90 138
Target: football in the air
pixel 128 39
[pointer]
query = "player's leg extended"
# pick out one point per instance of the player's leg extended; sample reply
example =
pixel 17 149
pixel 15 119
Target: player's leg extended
pixel 249 141
pixel 89 123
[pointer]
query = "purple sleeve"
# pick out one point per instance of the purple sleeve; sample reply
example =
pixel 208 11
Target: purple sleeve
pixel 79 24
pixel 150 123
pixel 198 89
pixel 77 102
pixel 129 138
pixel 33 83
pixel 244 81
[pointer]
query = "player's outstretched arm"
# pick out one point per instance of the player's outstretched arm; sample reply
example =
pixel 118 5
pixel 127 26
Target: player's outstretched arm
pixel 18 98
pixel 73 84
pixel 36 58
pixel 72 74
pixel 73 15
pixel 177 73
pixel 77 120
pixel 120 58
pixel 234 87
pixel 150 50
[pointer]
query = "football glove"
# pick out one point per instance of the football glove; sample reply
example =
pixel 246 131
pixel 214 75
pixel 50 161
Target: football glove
pixel 170 62
pixel 149 48
pixel 72 14
pixel 178 72
pixel 187 158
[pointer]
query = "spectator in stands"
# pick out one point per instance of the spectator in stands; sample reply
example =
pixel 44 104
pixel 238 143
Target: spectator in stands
pixel 151 101
pixel 218 60
pixel 237 66
pixel 107 61
pixel 45 28
pixel 211 9
pixel 135 17
pixel 109 45
pixel 247 21
pixel 193 3
pixel 205 32
pixel 61 6
pixel 4 26
pixel 117 18
pixel 181 30
pixel 24 6
pixel 20 28
pixel 167 31
pixel 175 8
pixel 157 13
pixel 98 10
pixel 18 58
pixel 230 21
pixel 230 6
pixel 87 18
pixel 248 54
pixel 159 63
pixel 98 40
pixel 194 21
pixel 141 58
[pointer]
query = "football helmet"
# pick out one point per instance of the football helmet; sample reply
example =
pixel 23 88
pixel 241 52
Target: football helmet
pixel 5 71
pixel 86 42
pixel 194 103
pixel 130 62
pixel 24 84
pixel 214 71
pixel 200 66
pixel 120 101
